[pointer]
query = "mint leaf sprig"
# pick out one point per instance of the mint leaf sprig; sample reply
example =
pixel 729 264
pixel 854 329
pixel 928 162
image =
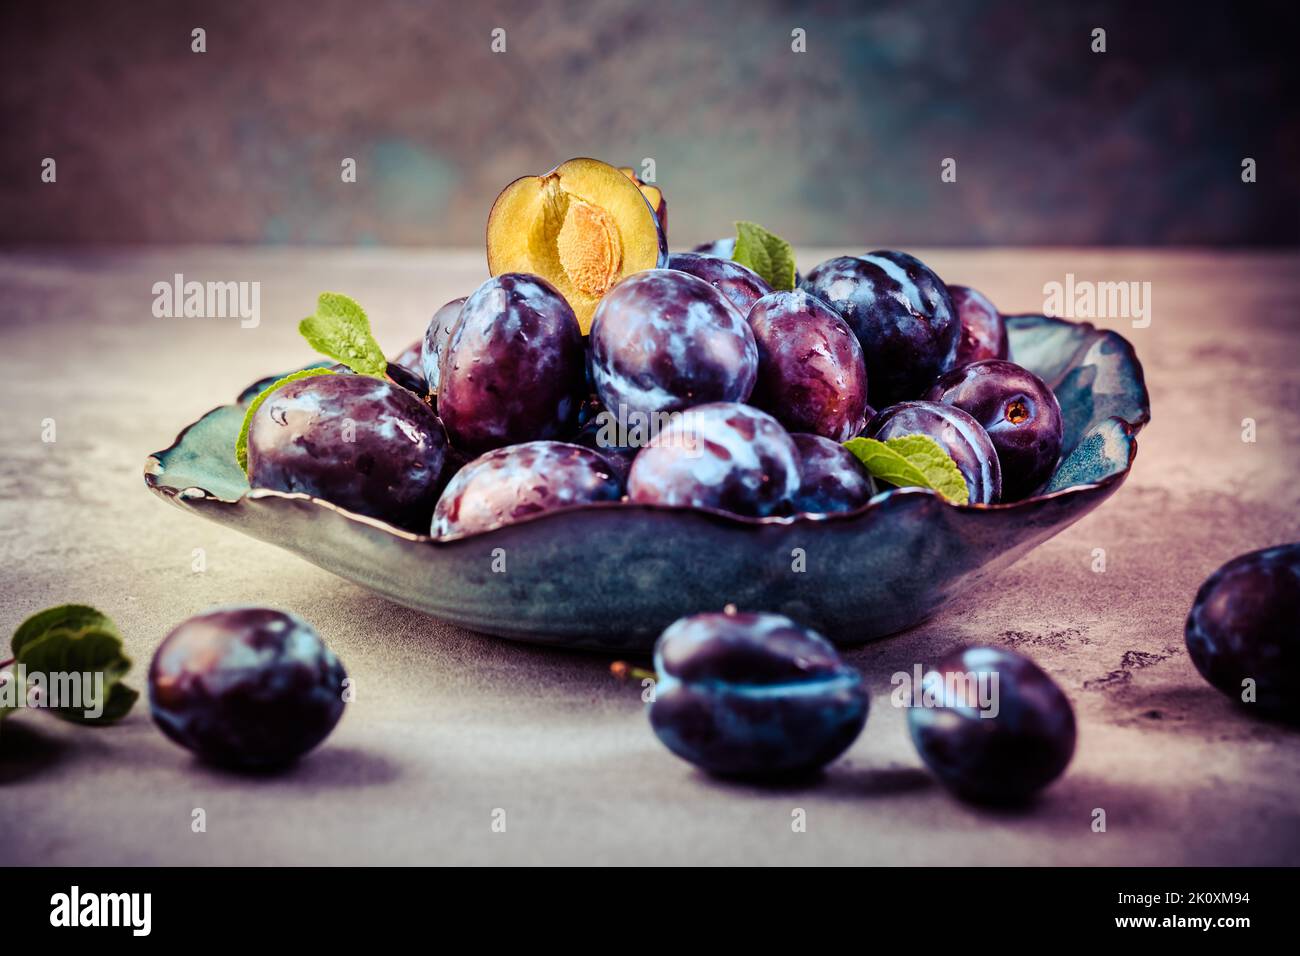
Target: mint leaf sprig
pixel 766 254
pixel 71 639
pixel 912 461
pixel 339 329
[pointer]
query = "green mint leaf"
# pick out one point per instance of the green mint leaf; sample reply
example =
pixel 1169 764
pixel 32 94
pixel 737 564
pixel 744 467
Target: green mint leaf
pixel 120 701
pixel 241 443
pixel 767 254
pixel 95 651
pixel 65 617
pixel 912 461
pixel 63 644
pixel 341 330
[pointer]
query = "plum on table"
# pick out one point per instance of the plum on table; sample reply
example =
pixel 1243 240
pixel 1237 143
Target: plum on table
pixel 754 695
pixel 247 687
pixel 1245 626
pixel 992 726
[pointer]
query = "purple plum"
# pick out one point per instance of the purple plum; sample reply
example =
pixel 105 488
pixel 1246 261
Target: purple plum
pixel 510 483
pixel 512 369
pixel 901 313
pixel 742 286
pixel 830 477
pixel 722 455
pixel 663 340
pixel 754 695
pixel 1245 626
pixel 246 687
pixel 362 443
pixel 992 726
pixel 1019 413
pixel 435 340
pixel 721 248
pixel 409 360
pixel 811 375
pixel 960 435
pixel 983 329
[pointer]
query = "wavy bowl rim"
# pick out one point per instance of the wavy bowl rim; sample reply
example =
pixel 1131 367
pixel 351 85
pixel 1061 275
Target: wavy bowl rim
pixel 154 468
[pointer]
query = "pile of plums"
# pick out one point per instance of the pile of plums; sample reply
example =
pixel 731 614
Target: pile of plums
pixel 759 696
pixel 697 386
pixel 744 694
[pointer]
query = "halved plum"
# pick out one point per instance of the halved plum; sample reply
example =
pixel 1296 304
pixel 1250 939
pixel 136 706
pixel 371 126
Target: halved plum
pixel 582 227
pixel 653 195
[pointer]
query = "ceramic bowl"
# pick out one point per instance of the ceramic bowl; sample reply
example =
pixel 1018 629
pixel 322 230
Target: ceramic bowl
pixel 611 576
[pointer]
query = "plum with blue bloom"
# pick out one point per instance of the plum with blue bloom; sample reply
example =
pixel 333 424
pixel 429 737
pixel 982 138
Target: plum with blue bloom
pixel 754 695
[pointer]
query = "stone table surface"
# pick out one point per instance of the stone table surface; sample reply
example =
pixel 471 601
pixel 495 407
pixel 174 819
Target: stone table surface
pixel 449 726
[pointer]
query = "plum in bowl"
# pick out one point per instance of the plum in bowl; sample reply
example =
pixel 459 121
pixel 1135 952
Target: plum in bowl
pixel 611 575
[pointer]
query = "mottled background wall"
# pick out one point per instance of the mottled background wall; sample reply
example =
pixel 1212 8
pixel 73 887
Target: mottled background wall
pixel 843 144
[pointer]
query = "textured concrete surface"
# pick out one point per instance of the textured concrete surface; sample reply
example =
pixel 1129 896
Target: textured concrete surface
pixel 449 726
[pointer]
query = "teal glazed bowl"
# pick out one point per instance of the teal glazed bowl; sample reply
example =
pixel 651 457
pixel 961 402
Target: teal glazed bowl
pixel 612 576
